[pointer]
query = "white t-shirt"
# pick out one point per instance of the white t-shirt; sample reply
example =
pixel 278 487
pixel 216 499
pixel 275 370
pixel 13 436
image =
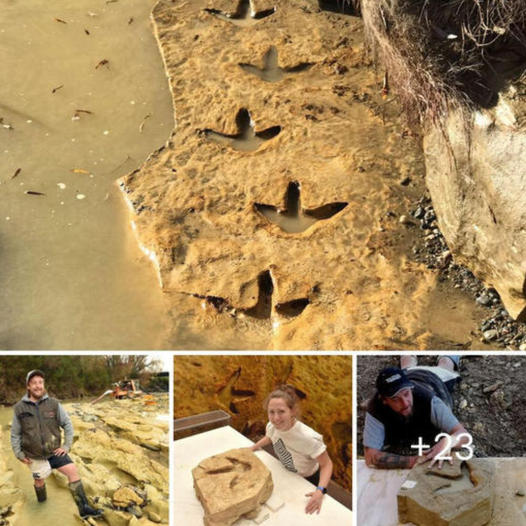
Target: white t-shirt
pixel 297 448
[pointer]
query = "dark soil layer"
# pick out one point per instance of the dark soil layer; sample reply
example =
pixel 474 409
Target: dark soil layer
pixel 489 401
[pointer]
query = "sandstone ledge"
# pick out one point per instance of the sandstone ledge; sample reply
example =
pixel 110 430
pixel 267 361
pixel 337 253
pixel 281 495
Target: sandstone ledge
pixel 345 282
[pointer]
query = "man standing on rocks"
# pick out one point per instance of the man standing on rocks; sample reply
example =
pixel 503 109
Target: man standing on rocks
pixel 36 441
pixel 411 406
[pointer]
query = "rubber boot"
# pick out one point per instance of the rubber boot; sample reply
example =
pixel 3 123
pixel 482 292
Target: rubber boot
pixel 85 510
pixel 41 493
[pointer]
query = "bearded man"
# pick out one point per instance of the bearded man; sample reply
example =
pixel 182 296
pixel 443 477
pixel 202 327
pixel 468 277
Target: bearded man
pixel 36 439
pixel 411 406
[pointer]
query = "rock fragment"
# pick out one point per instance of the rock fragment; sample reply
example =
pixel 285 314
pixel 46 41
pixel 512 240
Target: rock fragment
pixel 425 503
pixel 231 485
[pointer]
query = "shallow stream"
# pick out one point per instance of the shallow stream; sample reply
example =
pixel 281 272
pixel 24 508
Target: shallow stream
pixel 59 507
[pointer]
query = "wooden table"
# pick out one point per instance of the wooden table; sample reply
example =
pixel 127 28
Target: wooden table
pixel 377 490
pixel 288 487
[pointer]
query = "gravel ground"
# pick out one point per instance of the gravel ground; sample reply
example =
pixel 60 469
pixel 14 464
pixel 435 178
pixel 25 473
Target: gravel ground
pixel 498 328
pixel 490 400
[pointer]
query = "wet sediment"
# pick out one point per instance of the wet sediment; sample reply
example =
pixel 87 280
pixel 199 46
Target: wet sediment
pixel 121 452
pixel 197 204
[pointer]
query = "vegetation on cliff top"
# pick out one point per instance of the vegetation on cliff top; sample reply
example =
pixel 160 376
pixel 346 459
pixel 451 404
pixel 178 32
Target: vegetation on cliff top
pixel 440 52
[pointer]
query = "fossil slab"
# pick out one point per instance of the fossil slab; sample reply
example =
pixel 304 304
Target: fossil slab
pixel 428 499
pixel 231 485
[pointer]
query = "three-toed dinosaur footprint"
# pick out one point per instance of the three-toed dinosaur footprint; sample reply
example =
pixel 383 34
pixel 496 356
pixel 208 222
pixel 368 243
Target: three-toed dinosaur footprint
pixel 247 139
pixel 228 395
pixel 293 218
pixel 271 71
pixel 244 15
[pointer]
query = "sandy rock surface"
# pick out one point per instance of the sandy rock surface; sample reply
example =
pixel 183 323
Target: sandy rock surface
pixel 231 485
pixel 121 452
pixel 421 502
pixel 476 179
pixel 235 277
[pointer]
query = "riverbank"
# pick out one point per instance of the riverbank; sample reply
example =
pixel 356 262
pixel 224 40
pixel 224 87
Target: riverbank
pixel 121 452
pixel 233 275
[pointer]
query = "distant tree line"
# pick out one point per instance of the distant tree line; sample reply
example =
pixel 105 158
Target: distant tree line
pixel 73 376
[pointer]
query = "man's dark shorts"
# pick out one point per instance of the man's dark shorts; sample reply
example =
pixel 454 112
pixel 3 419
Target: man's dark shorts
pixel 57 461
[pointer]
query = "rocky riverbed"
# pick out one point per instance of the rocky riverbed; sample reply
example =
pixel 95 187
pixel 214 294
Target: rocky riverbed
pixel 121 452
pixel 496 327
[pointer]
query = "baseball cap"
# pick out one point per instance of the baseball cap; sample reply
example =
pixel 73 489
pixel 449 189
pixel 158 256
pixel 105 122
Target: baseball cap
pixel 34 372
pixel 391 381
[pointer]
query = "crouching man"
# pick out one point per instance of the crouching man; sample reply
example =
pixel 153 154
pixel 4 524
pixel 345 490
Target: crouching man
pixel 36 441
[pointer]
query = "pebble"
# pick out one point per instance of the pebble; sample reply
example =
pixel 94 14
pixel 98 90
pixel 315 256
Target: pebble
pixel 492 387
pixel 463 404
pixel 490 335
pixel 522 347
pixel 405 220
pixel 81 196
pixel 478 428
pixel 520 493
pixel 483 299
pixel 419 213
pixel 154 517
pixel 429 216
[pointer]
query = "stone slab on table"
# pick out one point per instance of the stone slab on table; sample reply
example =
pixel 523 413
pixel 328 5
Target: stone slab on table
pixel 289 487
pixel 429 499
pixel 377 490
pixel 232 485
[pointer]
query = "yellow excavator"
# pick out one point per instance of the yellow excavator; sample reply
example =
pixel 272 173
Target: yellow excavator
pixel 123 389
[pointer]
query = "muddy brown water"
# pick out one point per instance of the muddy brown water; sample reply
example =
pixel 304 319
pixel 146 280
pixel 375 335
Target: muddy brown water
pixel 59 507
pixel 86 101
